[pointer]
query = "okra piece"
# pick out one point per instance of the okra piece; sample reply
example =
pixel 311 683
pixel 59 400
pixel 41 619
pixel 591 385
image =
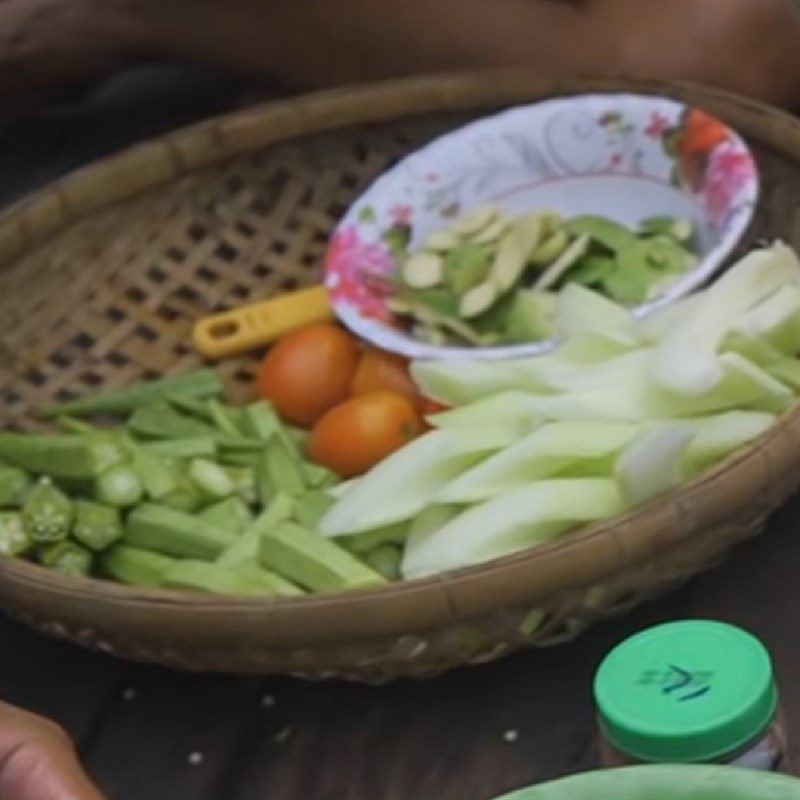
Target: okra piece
pixel 311 507
pixel 193 447
pixel 200 383
pixel 247 546
pixel 362 543
pixel 175 533
pixel 211 479
pixel 97 526
pixel 62 455
pixel 66 557
pixel 423 270
pixel 158 476
pixel 279 585
pixel 186 497
pixel 119 486
pixel 312 561
pixel 225 419
pixel 47 513
pixel 229 513
pixel 385 560
pixel 244 481
pixel 134 566
pixel 278 471
pixel 319 477
pixel 13 539
pixel 72 425
pixel 263 423
pixel 192 406
pixel 200 576
pixel 160 421
pixel 14 485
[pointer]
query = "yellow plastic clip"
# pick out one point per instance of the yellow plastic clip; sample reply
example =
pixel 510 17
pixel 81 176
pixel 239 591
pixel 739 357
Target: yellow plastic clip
pixel 258 324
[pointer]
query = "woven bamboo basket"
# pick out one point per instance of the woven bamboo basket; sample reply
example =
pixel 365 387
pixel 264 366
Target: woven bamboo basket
pixel 104 272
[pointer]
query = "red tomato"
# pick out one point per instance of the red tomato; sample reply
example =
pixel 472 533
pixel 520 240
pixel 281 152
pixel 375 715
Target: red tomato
pixel 308 372
pixel 379 371
pixel 357 434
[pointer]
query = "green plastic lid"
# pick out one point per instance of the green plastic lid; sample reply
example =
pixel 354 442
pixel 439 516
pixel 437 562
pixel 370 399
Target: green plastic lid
pixel 689 691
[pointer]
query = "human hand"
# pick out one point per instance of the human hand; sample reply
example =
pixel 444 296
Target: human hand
pixel 38 761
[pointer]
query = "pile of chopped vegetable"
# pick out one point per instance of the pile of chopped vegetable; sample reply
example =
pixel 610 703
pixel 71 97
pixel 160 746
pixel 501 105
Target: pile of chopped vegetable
pixel 168 486
pixel 621 412
pixel 490 278
pixel 183 491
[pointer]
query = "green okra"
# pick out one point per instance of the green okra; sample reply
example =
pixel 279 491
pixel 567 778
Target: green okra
pixel 311 506
pixel 175 533
pixel 312 561
pixel 227 420
pixel 230 513
pixel 200 383
pixel 14 541
pixel 47 513
pixel 69 456
pixel 201 576
pixel 14 485
pixel 161 421
pixel 212 480
pixel 135 566
pixel 190 447
pixel 66 557
pixel 247 547
pixel 158 476
pixel 96 526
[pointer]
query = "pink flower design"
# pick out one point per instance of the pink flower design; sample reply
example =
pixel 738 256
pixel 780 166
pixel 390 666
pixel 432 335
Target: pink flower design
pixel 401 214
pixel 348 261
pixel 659 124
pixel 728 171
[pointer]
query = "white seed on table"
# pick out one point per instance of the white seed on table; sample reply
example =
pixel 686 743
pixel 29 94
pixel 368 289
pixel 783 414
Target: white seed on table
pixel 195 758
pixel 268 700
pixel 511 736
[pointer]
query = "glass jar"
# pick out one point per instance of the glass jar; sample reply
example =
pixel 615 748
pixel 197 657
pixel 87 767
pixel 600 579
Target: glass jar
pixel 690 692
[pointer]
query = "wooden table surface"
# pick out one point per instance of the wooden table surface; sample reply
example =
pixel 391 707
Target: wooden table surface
pixel 149 734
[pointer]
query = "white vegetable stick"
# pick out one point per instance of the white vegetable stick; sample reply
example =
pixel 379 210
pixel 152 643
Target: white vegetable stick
pixel 542 453
pixel 507 408
pixel 580 310
pixel 718 436
pixel 686 362
pixel 651 465
pixel 776 319
pixel 403 484
pixel 662 322
pixel 513 521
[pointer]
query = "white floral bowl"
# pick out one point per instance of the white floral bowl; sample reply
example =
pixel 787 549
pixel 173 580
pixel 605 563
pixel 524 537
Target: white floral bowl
pixel 623 156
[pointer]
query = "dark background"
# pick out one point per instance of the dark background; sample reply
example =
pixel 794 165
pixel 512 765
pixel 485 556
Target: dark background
pixel 150 734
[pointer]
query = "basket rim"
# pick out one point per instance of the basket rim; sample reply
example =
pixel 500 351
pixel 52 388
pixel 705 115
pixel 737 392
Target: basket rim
pixel 41 214
pixel 522 577
pixel 37 575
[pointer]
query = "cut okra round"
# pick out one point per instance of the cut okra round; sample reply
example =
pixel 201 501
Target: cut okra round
pixel 476 220
pixel 423 270
pixel 441 241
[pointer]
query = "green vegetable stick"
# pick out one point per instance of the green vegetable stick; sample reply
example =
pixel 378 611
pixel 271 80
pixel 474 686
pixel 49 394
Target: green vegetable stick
pixel 96 526
pixel 194 447
pixel 66 557
pixel 312 561
pixel 175 533
pixel 13 539
pixel 247 546
pixel 47 513
pixel 201 383
pixel 229 513
pixel 14 485
pixel 204 577
pixel 385 560
pixel 311 507
pixel 160 421
pixel 225 419
pixel 61 455
pixel 157 476
pixel 134 566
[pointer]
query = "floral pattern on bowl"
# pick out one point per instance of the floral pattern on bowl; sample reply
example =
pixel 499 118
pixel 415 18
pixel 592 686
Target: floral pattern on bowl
pixel 619 155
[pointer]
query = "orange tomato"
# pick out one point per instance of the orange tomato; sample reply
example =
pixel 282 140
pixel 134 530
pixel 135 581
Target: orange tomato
pixel 308 372
pixel 380 371
pixel 357 434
